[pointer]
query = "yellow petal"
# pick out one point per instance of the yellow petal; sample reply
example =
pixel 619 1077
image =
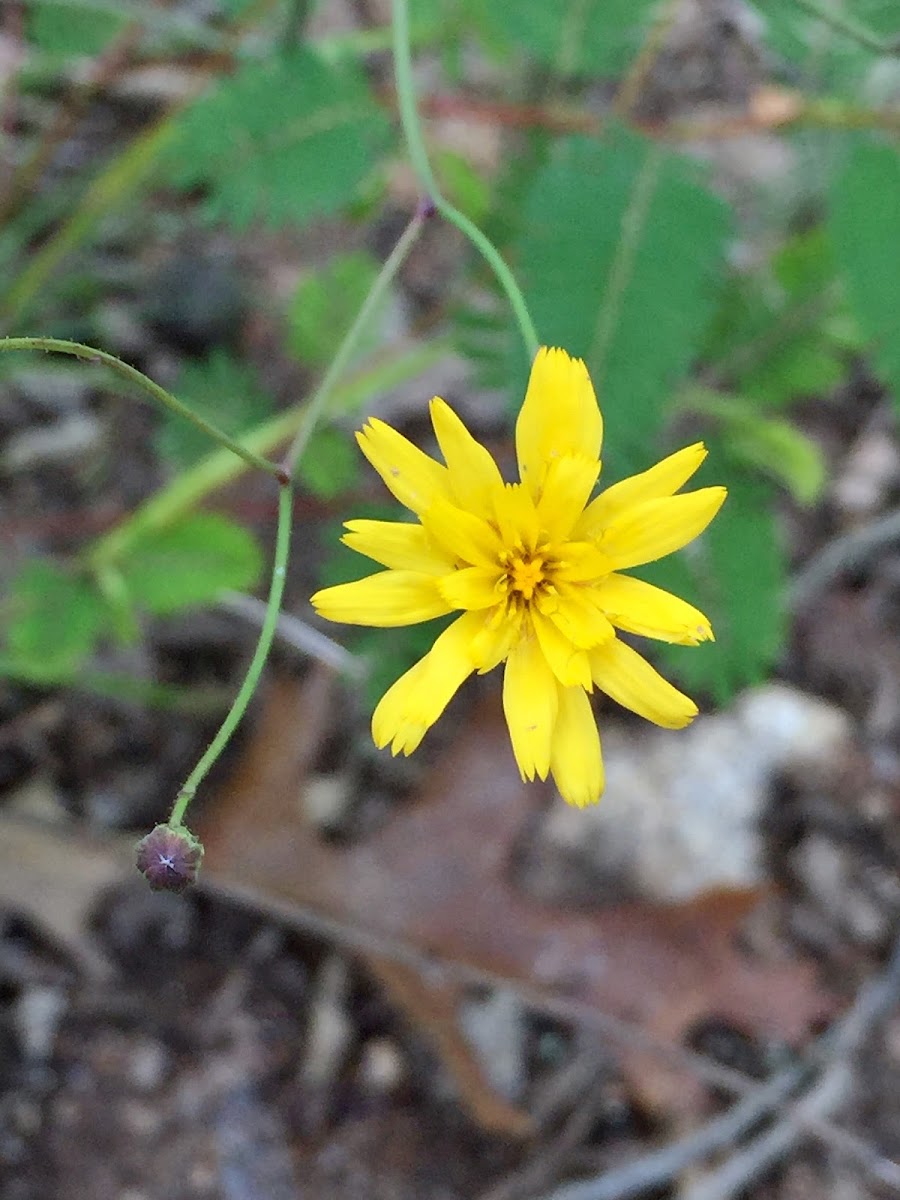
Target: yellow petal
pixel 623 674
pixel 663 479
pixel 471 588
pixel 581 562
pixel 414 478
pixel 567 486
pixel 412 705
pixel 576 760
pixel 559 416
pixel 576 612
pixel 397 544
pixel 639 607
pixel 387 599
pixel 516 517
pixel 500 631
pixel 530 700
pixel 462 535
pixel 474 476
pixel 657 527
pixel 569 664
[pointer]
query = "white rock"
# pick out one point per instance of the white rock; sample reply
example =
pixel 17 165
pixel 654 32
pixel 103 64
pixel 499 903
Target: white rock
pixel 681 810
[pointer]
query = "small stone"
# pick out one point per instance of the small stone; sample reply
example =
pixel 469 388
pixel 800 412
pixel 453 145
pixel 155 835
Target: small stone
pixel 381 1065
pixel 327 800
pixel 38 1012
pixel 495 1025
pixel 682 810
pixel 169 859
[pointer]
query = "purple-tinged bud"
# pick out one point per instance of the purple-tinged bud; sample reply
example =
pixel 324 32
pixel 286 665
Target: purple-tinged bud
pixel 169 859
pixel 427 208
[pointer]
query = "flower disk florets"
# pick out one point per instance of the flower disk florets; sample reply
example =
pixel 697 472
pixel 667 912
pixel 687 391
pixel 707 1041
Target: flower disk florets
pixel 535 569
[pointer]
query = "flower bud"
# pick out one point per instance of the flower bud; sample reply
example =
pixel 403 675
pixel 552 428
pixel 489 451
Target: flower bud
pixel 169 859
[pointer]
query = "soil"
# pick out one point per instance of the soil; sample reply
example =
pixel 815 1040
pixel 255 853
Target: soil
pixel 230 1043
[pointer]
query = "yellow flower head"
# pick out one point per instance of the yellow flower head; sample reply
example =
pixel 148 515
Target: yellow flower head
pixel 535 569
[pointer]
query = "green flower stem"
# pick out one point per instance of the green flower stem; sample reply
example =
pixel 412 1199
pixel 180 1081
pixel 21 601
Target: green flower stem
pixel 132 375
pixel 110 188
pixel 251 679
pixel 412 130
pixel 221 467
pixel 841 23
pixel 349 344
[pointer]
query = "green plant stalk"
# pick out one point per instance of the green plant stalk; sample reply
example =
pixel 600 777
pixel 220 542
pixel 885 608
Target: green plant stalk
pixel 841 23
pixel 313 410
pixel 412 130
pixel 339 363
pixel 132 375
pixel 221 467
pixel 251 679
pixel 123 175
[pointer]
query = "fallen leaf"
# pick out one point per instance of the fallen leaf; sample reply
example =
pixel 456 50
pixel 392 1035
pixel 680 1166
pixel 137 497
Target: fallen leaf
pixel 437 879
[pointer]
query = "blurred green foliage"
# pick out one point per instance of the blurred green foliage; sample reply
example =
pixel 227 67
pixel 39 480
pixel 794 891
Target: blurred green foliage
pixel 220 389
pixel 694 308
pixel 281 141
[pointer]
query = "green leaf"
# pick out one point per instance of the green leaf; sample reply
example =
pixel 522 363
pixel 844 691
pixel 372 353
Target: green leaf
pixel 586 37
pixel 781 332
pixel 330 463
pixel 774 447
pixel 621 257
pixel 73 30
pixel 225 392
pixel 736 575
pixel 283 140
pixel 190 563
pixel 863 217
pixel 325 305
pixel 462 184
pixel 832 60
pixel 56 619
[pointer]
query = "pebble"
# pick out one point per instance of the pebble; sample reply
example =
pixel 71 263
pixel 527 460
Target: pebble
pixel 38 1012
pixel 496 1027
pixel 681 812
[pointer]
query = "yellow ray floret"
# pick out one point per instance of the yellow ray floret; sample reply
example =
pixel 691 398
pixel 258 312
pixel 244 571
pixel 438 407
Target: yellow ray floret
pixel 535 570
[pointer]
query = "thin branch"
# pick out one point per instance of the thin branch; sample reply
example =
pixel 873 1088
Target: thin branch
pixel 662 1166
pixel 807 1116
pixel 845 553
pixel 832 1088
pixel 296 633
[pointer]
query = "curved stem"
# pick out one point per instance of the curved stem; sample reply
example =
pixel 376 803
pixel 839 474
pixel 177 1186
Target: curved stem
pixel 132 375
pixel 345 351
pixel 251 679
pixel 412 131
pixel 221 467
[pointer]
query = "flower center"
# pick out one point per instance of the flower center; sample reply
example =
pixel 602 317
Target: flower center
pixel 525 575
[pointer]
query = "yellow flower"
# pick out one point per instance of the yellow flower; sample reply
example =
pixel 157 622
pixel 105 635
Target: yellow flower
pixel 535 569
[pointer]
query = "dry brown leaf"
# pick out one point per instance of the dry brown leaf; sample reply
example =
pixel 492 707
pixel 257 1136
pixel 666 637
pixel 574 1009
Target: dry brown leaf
pixel 437 878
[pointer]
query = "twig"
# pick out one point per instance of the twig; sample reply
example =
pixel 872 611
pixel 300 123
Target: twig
pixel 295 633
pixel 874 1000
pixel 741 1168
pixel 805 1117
pixel 538 999
pixel 846 552
pixel 545 1162
pixel 654 1170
